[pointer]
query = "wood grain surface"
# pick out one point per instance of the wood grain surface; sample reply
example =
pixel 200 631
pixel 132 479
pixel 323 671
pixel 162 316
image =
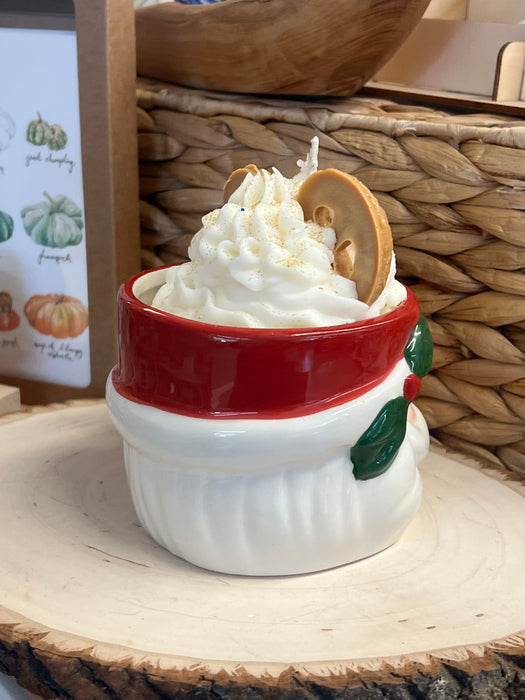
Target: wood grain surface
pixel 91 607
pixel 290 47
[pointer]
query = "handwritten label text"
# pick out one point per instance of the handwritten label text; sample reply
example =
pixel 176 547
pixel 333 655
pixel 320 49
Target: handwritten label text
pixel 9 343
pixel 55 159
pixel 62 350
pixel 44 255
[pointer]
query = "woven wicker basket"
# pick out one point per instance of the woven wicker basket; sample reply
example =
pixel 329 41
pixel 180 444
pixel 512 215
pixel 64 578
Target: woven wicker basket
pixel 453 188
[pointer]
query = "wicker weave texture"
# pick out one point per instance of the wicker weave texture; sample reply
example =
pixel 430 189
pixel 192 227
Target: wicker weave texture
pixel 453 188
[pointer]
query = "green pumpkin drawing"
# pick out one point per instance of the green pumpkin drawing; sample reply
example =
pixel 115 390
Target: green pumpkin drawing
pixel 56 137
pixel 36 131
pixel 7 226
pixel 55 223
pixel 41 133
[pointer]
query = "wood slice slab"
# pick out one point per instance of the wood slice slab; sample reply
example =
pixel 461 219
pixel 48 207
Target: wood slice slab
pixel 91 607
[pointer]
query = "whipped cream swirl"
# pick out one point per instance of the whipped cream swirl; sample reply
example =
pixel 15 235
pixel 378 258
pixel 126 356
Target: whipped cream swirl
pixel 257 263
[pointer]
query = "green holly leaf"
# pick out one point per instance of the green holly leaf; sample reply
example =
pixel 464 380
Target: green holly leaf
pixel 378 446
pixel 419 348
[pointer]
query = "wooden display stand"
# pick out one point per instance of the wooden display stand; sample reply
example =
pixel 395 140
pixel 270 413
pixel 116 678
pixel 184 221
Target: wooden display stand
pixel 9 399
pixel 486 40
pixel 91 607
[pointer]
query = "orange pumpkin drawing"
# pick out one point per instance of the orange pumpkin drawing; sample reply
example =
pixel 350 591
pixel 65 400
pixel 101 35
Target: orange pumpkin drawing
pixel 57 315
pixel 9 319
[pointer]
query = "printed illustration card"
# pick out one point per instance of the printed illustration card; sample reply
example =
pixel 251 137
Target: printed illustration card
pixel 44 311
pixel 69 206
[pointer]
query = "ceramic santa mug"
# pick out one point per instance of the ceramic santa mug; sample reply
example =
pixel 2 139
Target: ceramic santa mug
pixel 269 451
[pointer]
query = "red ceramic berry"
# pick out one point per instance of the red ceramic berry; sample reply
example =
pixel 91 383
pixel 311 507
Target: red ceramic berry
pixel 411 387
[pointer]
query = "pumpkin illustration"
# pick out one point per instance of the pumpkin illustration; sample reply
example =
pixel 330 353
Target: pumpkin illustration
pixel 57 314
pixel 9 319
pixel 56 137
pixel 7 226
pixel 7 129
pixel 36 132
pixel 55 222
pixel 40 133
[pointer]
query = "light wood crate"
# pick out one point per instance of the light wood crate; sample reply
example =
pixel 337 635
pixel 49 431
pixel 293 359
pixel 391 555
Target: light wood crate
pixel 453 188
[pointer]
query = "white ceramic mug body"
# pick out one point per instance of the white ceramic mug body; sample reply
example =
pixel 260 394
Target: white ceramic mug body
pixel 269 496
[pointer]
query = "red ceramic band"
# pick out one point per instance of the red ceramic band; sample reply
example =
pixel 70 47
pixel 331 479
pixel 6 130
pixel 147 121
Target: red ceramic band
pixel 210 371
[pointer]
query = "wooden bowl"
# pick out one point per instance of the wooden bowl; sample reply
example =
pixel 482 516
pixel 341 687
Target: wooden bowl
pixel 289 47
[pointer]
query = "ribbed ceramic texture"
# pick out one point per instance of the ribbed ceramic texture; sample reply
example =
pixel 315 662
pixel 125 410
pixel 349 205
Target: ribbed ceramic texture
pixel 268 496
pixel 453 188
pixel 282 522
